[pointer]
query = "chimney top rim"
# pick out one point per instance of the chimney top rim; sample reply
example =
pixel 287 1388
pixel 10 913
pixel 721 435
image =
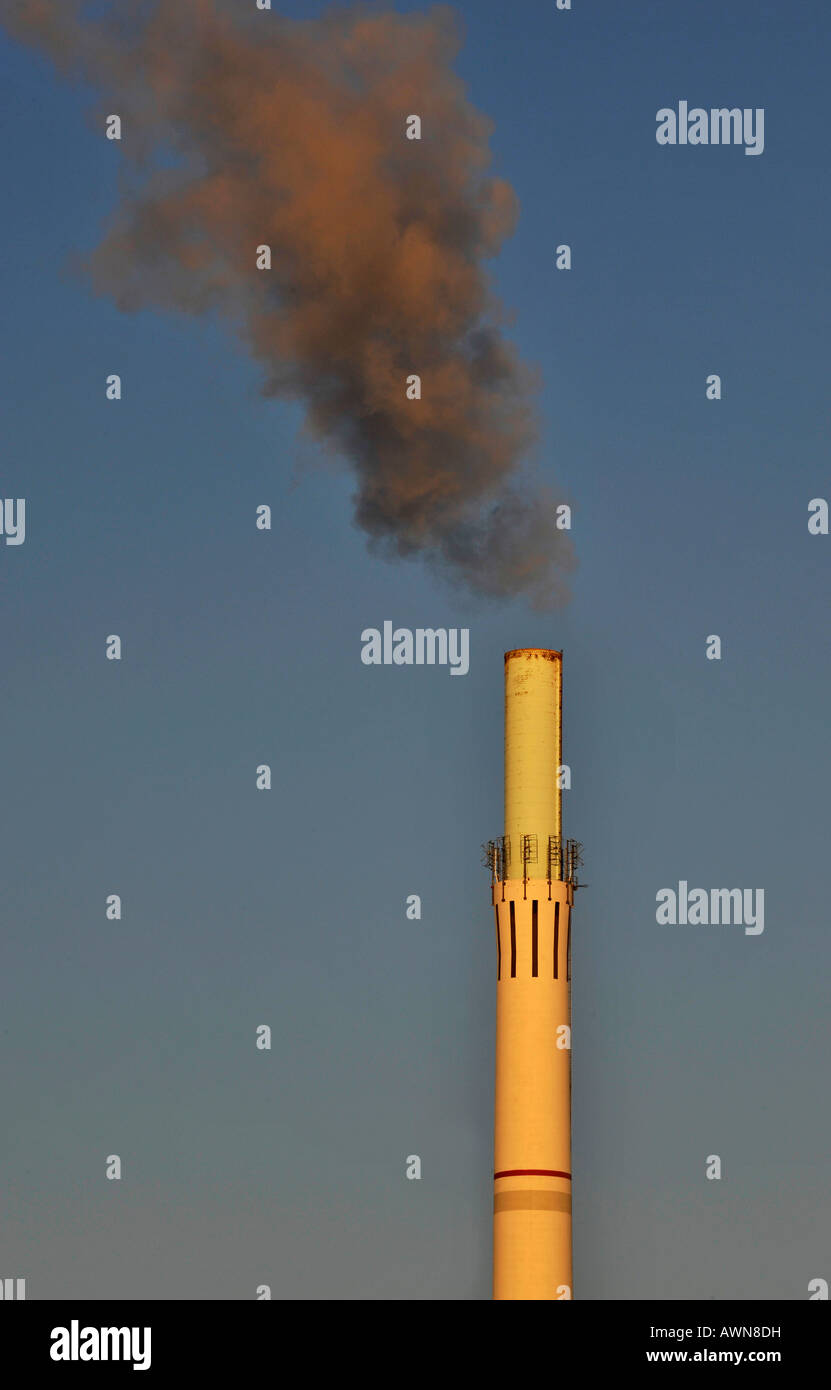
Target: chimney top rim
pixel 548 653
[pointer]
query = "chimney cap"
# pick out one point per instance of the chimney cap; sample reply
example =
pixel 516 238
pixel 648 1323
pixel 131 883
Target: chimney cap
pixel 547 653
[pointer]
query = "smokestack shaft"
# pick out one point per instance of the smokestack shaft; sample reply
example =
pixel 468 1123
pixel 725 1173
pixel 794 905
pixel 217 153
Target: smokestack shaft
pixel 533 755
pixel 533 900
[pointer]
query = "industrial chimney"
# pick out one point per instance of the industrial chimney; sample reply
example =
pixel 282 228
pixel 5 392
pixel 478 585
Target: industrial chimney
pixel 533 880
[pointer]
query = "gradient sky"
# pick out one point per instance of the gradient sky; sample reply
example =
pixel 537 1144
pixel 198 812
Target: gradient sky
pixel 288 908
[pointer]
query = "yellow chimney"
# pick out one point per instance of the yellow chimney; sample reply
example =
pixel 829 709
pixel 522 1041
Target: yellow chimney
pixel 533 893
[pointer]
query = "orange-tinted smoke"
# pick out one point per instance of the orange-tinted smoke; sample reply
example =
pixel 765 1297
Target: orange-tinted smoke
pixel 291 134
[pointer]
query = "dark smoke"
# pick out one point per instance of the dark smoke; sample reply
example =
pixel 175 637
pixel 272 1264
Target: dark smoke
pixel 291 134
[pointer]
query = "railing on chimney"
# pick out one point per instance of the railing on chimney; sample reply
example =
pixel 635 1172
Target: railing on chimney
pixel 563 858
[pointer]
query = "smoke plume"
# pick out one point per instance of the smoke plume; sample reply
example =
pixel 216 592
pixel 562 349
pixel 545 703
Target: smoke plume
pixel 242 129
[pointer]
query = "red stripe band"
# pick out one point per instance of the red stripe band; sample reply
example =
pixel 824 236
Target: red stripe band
pixel 531 1173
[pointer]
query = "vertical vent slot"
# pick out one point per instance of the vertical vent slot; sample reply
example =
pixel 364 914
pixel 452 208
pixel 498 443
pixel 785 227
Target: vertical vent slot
pixel 534 940
pixel 556 939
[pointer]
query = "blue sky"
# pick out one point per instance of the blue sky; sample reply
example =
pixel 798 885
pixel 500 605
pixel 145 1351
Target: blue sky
pixel 288 908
